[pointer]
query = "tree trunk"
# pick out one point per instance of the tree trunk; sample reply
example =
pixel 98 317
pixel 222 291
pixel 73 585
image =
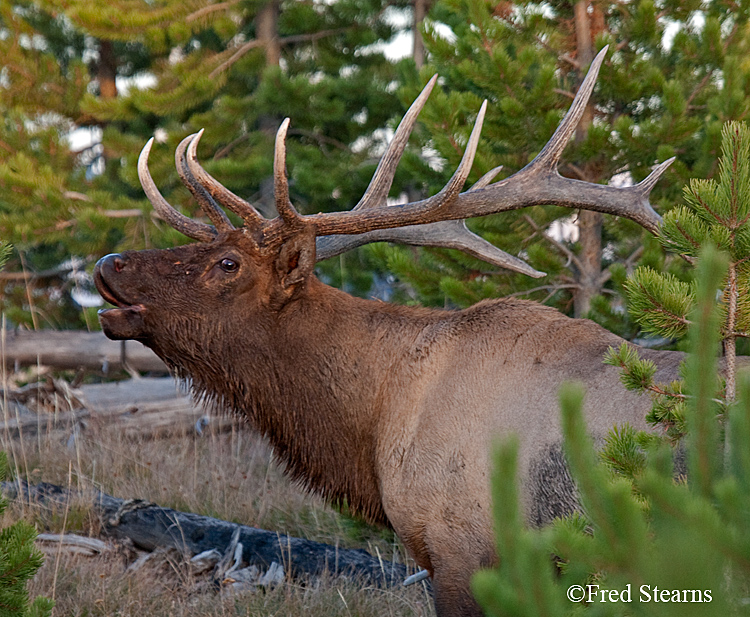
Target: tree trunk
pixel 420 12
pixel 589 223
pixel 267 32
pixel 590 258
pixel 106 70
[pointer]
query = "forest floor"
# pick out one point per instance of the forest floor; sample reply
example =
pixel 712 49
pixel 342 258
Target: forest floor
pixel 227 473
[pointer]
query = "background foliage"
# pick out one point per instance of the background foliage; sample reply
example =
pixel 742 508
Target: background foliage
pixel 115 75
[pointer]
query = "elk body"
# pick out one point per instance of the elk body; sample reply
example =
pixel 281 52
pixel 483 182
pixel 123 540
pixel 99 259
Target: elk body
pixel 392 409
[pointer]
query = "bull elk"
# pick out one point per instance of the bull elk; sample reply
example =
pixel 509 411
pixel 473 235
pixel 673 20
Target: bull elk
pixel 392 409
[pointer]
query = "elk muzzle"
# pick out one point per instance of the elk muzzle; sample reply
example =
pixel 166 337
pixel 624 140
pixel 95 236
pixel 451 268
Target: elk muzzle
pixel 126 320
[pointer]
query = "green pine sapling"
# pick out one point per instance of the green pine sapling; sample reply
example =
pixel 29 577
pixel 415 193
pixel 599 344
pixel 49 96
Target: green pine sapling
pixel 716 212
pixel 19 558
pixel 19 561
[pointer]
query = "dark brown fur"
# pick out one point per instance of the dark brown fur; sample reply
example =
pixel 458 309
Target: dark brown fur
pixel 392 409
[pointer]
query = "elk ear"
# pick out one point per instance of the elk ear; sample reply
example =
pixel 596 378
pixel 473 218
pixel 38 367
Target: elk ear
pixel 294 263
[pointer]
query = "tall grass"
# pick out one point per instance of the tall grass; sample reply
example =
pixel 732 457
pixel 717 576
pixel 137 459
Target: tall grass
pixel 228 475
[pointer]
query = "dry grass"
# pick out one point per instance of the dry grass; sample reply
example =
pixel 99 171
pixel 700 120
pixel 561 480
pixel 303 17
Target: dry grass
pixel 102 587
pixel 230 476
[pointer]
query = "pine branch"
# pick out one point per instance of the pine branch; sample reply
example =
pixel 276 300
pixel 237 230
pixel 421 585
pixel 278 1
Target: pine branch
pixel 285 40
pixel 570 255
pixel 211 8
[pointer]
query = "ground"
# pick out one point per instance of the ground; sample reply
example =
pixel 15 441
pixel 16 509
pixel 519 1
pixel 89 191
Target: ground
pixel 228 475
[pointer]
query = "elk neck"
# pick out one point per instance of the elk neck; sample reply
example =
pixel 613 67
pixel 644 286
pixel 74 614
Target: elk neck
pixel 311 380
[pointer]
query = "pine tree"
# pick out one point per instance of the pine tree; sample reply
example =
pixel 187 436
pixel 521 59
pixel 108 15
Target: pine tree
pixel 656 97
pixel 19 561
pixel 689 539
pixel 716 212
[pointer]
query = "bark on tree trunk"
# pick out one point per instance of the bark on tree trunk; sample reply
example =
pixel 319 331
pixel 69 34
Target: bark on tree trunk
pixel 420 12
pixel 267 32
pixel 590 258
pixel 106 70
pixel 589 223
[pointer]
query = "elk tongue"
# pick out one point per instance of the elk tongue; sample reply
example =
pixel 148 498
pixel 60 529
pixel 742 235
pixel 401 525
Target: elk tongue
pixel 123 323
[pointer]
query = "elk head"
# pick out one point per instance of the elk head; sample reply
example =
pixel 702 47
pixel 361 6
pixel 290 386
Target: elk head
pixel 265 264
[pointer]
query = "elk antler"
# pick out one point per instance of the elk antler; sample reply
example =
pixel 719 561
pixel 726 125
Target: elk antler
pixel 435 221
pixel 537 183
pixel 202 196
pixel 189 227
pixel 251 217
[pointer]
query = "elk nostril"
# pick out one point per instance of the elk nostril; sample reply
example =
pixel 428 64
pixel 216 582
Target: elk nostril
pixel 114 262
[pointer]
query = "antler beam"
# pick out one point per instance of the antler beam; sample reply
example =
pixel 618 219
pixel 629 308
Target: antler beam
pixel 435 221
pixel 539 183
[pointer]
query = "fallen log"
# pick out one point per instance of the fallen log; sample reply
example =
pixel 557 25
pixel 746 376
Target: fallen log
pixel 75 349
pixel 144 407
pixel 151 527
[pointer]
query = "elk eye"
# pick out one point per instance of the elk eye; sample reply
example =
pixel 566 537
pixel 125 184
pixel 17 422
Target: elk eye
pixel 228 265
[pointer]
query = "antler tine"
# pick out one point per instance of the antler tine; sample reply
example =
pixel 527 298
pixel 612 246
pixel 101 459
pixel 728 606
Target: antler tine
pixel 382 179
pixel 649 182
pixel 456 183
pixel 486 179
pixel 202 196
pixel 550 154
pixel 250 216
pixel 455 235
pixel 280 183
pixel 183 224
pixel 444 234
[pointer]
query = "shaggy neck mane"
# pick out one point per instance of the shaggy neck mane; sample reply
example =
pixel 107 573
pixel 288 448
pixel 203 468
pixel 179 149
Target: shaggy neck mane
pixel 311 379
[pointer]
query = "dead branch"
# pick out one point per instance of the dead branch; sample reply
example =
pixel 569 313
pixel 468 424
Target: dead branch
pixel 51 273
pixel 72 543
pixel 570 255
pixel 284 40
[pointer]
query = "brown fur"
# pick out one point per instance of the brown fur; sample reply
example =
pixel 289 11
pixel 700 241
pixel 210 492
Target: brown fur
pixel 392 409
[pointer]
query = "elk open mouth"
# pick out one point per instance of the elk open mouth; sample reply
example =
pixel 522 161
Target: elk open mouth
pixel 106 292
pixel 125 321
